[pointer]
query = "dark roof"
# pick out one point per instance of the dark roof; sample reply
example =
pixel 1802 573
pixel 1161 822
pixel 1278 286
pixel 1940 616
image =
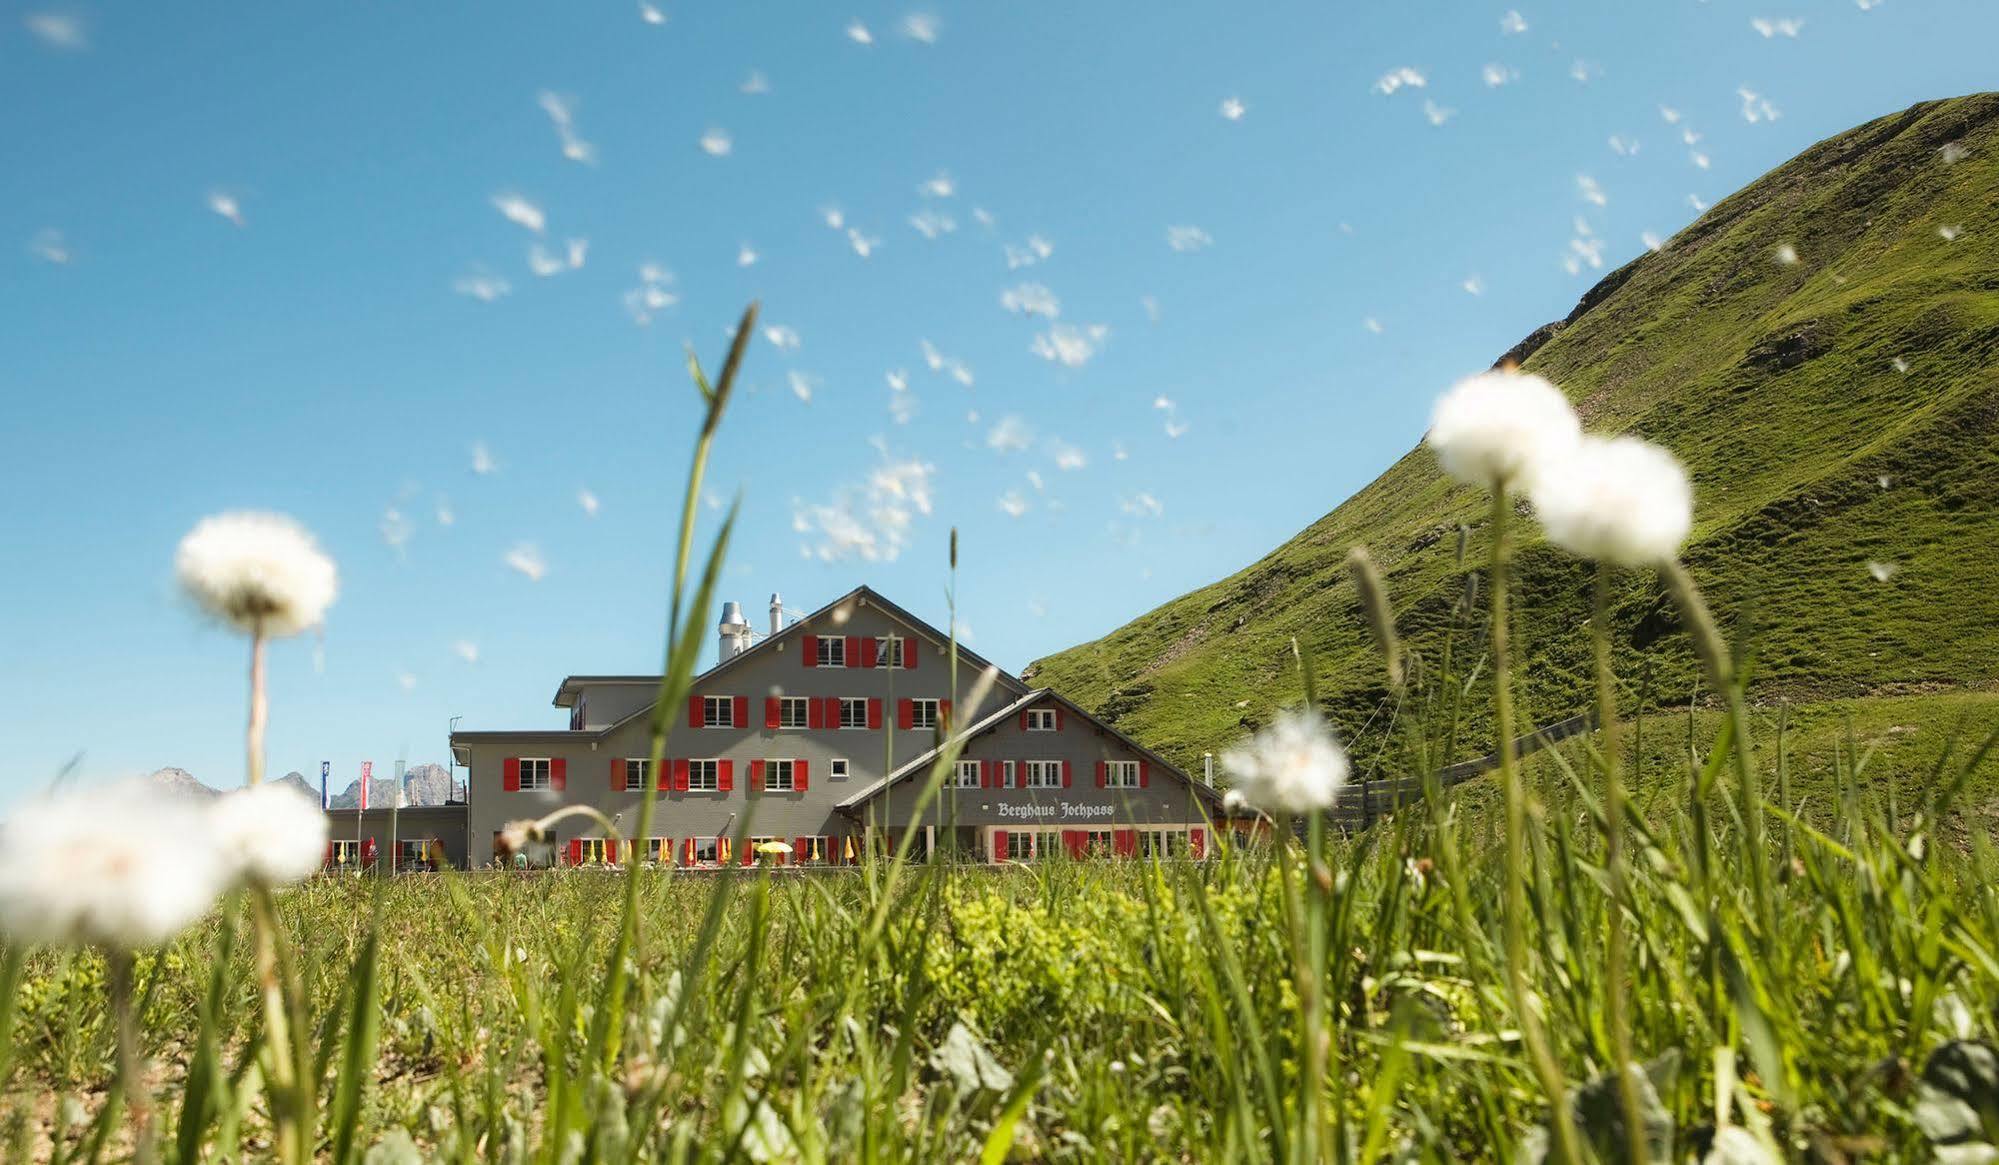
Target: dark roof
pixel 565 694
pixel 999 716
pixel 859 593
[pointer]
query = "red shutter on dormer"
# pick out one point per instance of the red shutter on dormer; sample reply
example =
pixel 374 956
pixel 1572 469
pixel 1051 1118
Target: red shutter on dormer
pixel 808 650
pixel 756 776
pixel 1103 767
pixel 773 711
pixel 1144 775
pixel 510 774
pixel 1065 774
pixel 909 653
pixel 905 713
pixel 617 774
pixel 799 775
pixel 874 712
pixel 558 774
pixel 999 845
pixel 742 717
pixel 868 656
pixel 815 713
pixel 853 652
pixel 695 708
pixel 725 776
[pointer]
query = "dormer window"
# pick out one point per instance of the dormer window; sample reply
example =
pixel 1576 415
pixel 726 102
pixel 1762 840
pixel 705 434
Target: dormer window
pixel 832 651
pixel 1041 720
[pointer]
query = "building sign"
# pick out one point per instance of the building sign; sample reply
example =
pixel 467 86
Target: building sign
pixel 1063 809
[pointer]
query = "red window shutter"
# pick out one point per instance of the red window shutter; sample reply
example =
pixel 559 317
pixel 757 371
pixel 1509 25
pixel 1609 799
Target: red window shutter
pixel 832 711
pixel 558 774
pixel 663 779
pixel 815 713
pixel 1065 774
pixel 874 712
pixel 1076 841
pixel 909 653
pixel 799 775
pixel 695 708
pixel 680 775
pixel 756 776
pixel 999 845
pixel 986 769
pixel 1020 774
pixel 725 776
pixel 575 851
pixel 617 774
pixel 1197 841
pixel 853 652
pixel 944 715
pixel 687 852
pixel 611 850
pixel 510 774
pixel 773 711
pixel 1023 719
pixel 1124 842
pixel 1103 767
pixel 742 717
pixel 808 650
pixel 868 656
pixel 905 713
pixel 1060 718
pixel 1144 774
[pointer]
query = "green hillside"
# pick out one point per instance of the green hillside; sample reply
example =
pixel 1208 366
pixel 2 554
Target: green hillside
pixel 1818 462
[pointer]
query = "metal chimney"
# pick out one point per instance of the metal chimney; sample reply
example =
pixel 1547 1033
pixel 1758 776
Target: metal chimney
pixel 1208 769
pixel 735 631
pixel 776 613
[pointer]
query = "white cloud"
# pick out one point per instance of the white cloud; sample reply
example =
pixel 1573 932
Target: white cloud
pixel 226 204
pixel 1622 146
pixel 870 520
pixel 931 223
pixel 1372 325
pixel 1695 201
pixel 49 246
pixel 717 143
pixel 58 30
pixel 1785 26
pixel 1031 299
pixel 1701 161
pixel 561 110
pixel 483 463
pixel 1233 108
pixel 864 245
pixel 803 384
pixel 544 262
pixel 746 255
pixel 782 337
pixel 1494 75
pixel 652 295
pixel 1756 107
pixel 517 209
pixel 1473 285
pixel 898 380
pixel 526 558
pixel 1066 456
pixel 481 285
pixel 1512 24
pixel 1187 238
pixel 1036 250
pixel 859 34
pixel 1010 435
pixel 1583 72
pixel 755 85
pixel 1013 503
pixel 588 501
pixel 1395 79
pixel 395 528
pixel 1438 114
pixel 407 681
pixel 940 186
pixel 1142 505
pixel 921 27
pixel 1069 345
pixel 951 366
pixel 466 650
pixel 1652 241
pixel 1671 115
pixel 1589 191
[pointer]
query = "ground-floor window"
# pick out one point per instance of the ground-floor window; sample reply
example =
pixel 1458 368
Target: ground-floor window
pixel 585 851
pixel 346 853
pixel 659 850
pixel 1161 843
pixel 811 851
pixel 418 855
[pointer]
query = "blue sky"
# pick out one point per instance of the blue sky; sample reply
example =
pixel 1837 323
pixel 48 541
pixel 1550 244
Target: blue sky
pixel 242 247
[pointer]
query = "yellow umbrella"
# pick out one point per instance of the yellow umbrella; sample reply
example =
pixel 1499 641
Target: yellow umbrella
pixel 850 847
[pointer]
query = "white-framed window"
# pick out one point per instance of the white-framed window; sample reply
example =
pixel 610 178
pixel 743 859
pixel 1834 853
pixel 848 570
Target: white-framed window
pixel 832 651
pixel 888 650
pixel 346 853
pixel 411 854
pixel 718 711
pixel 924 713
pixel 534 772
pixel 1044 774
pixel 706 850
pixel 1020 846
pixel 1100 842
pixel 812 850
pixel 837 768
pixel 704 776
pixel 968 774
pixel 777 776
pixel 1161 843
pixel 593 851
pixel 1121 774
pixel 853 711
pixel 1041 719
pixel 750 845
pixel 636 772
pixel 793 711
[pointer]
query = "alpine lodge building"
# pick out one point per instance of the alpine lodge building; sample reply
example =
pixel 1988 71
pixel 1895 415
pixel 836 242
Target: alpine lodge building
pixel 821 734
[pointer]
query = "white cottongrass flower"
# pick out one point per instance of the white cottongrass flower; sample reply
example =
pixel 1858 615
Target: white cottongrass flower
pixel 1502 429
pixel 1293 766
pixel 119 867
pixel 260 573
pixel 268 835
pixel 1619 500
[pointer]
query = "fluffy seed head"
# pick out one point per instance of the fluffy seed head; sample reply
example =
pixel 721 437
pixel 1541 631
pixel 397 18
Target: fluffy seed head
pixel 120 867
pixel 1622 500
pixel 259 573
pixel 1293 766
pixel 269 835
pixel 1502 428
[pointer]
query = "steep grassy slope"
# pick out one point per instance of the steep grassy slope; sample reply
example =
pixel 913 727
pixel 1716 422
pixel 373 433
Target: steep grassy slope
pixel 1782 386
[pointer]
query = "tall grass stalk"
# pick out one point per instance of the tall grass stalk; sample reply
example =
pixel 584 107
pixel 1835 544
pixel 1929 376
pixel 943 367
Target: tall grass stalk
pixel 1518 979
pixel 1617 985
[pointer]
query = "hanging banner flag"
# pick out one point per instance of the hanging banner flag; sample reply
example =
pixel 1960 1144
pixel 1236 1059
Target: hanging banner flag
pixel 325 769
pixel 367 775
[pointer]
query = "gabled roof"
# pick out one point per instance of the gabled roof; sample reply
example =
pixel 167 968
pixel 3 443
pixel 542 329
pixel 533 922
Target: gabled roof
pixel 862 593
pixel 999 716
